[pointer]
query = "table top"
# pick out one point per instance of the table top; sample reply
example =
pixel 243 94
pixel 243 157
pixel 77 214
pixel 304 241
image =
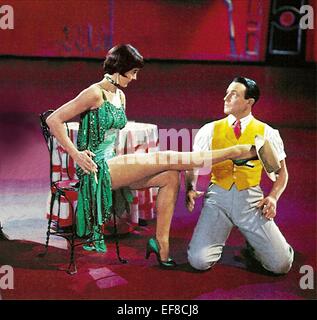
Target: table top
pixel 135 137
pixel 131 125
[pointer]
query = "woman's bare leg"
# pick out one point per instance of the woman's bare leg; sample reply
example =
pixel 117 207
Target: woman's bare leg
pixel 161 169
pixel 168 183
pixel 127 169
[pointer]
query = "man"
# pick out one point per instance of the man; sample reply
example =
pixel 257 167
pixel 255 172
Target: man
pixel 234 197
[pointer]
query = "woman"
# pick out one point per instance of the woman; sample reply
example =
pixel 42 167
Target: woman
pixel 102 110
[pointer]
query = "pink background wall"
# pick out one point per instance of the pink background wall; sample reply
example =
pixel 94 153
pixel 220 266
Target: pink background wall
pixel 169 29
pixel 197 30
pixel 311 41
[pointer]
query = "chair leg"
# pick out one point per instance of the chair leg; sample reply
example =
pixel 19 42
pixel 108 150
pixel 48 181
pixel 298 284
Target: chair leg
pixel 117 239
pixel 72 269
pixel 48 232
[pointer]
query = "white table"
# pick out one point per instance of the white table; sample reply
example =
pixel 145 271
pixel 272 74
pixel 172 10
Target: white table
pixel 135 137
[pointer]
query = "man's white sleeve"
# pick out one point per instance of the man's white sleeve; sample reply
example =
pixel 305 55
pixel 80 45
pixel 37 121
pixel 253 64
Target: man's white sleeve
pixel 202 141
pixel 274 137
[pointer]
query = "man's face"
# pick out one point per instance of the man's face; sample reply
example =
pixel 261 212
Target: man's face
pixel 234 101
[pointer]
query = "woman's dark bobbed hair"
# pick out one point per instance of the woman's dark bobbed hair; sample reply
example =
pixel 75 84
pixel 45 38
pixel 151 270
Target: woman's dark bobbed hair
pixel 122 58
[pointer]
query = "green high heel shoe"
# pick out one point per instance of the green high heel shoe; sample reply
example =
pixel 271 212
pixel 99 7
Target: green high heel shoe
pixel 243 162
pixel 89 246
pixel 154 246
pixel 97 243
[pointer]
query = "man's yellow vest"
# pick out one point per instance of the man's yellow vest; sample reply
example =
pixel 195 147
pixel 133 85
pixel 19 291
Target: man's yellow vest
pixel 226 173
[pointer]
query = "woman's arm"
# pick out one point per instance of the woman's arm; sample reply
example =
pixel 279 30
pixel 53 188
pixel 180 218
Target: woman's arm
pixel 87 99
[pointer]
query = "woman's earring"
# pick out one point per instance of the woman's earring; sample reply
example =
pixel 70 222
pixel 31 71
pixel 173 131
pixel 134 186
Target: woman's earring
pixel 118 78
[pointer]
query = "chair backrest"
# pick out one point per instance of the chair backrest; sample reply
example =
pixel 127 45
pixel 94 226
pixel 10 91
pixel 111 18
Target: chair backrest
pixel 60 162
pixel 45 128
pixel 48 137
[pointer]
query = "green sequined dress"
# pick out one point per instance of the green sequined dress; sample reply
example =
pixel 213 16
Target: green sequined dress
pixel 98 132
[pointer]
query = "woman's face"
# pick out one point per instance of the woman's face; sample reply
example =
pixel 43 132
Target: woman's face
pixel 129 76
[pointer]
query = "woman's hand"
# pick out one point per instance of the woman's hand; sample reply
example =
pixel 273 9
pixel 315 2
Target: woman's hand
pixel 83 159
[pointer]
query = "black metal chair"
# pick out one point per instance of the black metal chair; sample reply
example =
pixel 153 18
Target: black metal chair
pixel 69 190
pixel 3 236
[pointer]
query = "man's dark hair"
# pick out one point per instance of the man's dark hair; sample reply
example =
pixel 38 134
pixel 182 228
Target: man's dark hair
pixel 252 89
pixel 122 58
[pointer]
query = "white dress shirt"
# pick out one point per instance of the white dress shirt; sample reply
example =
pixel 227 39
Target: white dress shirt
pixel 203 138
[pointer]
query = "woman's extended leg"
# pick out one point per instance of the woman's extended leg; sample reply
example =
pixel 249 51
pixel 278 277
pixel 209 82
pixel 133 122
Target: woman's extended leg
pixel 168 183
pixel 130 168
pixel 161 169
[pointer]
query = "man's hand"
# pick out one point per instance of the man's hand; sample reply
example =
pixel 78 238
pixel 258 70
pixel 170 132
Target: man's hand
pixel 191 196
pixel 268 206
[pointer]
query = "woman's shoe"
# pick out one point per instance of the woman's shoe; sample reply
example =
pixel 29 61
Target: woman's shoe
pixel 243 162
pixel 101 246
pixel 97 243
pixel 89 247
pixel 247 153
pixel 154 246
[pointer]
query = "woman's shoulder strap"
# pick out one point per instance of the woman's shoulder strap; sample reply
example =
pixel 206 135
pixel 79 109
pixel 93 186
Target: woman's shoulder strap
pixel 104 97
pixel 122 98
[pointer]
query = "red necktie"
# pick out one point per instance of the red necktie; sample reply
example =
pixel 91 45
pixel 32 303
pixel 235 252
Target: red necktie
pixel 237 129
